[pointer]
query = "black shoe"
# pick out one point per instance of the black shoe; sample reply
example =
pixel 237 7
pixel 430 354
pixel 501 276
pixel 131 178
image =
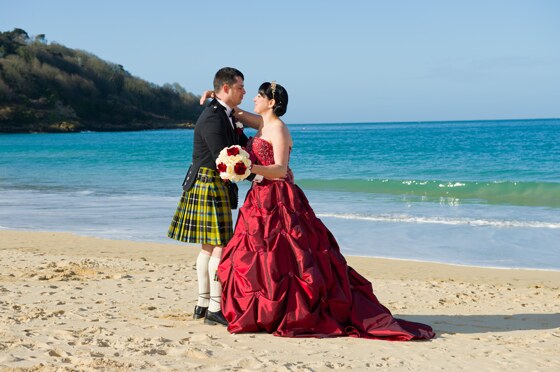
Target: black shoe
pixel 199 312
pixel 215 318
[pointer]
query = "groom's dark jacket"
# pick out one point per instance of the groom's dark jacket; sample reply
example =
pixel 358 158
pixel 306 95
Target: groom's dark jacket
pixel 212 132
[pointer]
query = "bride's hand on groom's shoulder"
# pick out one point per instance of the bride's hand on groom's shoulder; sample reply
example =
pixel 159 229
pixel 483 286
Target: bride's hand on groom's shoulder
pixel 207 94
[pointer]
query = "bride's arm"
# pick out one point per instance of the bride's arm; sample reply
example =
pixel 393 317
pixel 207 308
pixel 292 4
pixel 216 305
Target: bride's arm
pixel 281 143
pixel 247 118
pixel 207 94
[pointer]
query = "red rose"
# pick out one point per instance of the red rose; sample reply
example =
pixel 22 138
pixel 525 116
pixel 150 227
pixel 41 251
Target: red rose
pixel 239 131
pixel 233 151
pixel 222 167
pixel 240 168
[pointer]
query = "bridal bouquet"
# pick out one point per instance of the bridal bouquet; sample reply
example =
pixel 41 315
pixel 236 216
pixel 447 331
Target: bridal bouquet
pixel 233 163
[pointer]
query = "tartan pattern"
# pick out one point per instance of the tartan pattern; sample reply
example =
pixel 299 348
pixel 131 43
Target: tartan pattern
pixel 203 214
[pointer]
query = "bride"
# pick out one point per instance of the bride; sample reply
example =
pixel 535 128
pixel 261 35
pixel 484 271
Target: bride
pixel 282 272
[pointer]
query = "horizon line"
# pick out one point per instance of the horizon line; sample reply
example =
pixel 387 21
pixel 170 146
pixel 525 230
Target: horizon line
pixel 423 121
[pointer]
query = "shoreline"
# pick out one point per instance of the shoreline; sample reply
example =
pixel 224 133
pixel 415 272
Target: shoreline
pixel 171 242
pixel 190 125
pixel 71 302
pixel 412 260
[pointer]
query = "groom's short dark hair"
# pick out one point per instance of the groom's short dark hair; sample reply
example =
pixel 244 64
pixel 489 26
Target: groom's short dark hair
pixel 226 75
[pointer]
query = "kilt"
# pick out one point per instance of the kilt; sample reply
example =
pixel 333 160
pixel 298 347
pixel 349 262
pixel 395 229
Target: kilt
pixel 204 214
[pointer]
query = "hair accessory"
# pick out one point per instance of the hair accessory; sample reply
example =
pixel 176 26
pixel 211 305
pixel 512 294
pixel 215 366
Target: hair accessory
pixel 273 87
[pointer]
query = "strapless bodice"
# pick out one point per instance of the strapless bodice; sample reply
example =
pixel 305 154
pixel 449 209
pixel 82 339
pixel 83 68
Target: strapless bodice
pixel 261 152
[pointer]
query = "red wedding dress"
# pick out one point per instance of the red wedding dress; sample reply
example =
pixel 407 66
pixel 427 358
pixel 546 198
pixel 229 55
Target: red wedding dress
pixel 282 272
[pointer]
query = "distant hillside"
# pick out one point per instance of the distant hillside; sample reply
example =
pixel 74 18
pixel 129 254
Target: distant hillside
pixel 50 88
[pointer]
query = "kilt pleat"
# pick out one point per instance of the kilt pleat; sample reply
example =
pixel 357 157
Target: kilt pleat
pixel 203 214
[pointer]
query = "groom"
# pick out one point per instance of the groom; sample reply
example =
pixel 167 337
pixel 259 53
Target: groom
pixel 204 212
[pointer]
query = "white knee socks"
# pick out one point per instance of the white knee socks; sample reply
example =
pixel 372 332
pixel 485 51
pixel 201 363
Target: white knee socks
pixel 215 285
pixel 203 279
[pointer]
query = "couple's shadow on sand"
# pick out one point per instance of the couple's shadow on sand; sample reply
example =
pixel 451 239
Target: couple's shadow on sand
pixel 486 323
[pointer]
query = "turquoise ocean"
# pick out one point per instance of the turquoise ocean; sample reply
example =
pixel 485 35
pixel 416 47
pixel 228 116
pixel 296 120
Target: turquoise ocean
pixel 482 193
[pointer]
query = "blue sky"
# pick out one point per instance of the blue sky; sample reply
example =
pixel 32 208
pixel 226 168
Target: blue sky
pixel 341 61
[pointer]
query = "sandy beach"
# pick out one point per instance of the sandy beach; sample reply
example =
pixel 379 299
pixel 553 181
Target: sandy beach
pixel 79 303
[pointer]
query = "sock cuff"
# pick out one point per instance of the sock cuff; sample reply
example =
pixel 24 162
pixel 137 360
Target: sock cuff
pixel 203 257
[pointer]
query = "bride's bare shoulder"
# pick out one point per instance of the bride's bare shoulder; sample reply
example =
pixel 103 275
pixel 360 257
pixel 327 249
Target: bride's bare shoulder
pixel 281 131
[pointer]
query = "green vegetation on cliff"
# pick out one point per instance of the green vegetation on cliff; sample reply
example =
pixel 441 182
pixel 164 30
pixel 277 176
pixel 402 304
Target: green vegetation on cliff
pixel 47 87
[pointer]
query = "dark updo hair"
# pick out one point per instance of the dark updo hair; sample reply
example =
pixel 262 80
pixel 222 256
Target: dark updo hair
pixel 280 97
